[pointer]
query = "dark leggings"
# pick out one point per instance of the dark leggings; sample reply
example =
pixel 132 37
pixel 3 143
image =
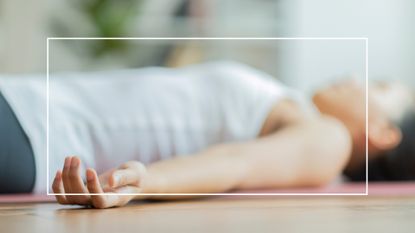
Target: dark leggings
pixel 17 164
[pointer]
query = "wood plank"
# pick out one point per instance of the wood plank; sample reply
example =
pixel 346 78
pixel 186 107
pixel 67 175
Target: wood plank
pixel 237 214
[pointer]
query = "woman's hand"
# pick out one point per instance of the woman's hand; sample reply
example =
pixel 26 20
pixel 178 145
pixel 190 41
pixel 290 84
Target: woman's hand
pixel 124 179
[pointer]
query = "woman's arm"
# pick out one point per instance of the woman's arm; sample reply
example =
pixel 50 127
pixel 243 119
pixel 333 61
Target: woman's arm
pixel 309 153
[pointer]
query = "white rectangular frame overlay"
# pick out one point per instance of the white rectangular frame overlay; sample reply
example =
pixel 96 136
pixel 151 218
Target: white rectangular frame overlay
pixel 365 39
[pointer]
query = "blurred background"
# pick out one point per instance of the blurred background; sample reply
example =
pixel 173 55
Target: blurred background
pixel 25 25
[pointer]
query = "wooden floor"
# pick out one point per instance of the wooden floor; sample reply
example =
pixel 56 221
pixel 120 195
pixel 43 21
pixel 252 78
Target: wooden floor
pixel 221 214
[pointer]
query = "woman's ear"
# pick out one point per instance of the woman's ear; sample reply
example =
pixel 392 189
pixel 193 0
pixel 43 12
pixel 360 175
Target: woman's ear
pixel 384 135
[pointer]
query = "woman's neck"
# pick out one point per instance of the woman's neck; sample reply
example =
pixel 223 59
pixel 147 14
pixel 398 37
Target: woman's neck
pixel 283 113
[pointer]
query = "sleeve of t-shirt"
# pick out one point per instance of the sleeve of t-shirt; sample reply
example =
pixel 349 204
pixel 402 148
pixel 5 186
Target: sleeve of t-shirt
pixel 250 96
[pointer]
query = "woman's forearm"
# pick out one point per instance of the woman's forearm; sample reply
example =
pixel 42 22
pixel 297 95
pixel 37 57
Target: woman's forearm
pixel 217 169
pixel 305 154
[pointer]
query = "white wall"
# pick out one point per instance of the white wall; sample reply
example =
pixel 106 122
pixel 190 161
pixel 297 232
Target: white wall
pixel 387 24
pixel 24 26
pixel 23 37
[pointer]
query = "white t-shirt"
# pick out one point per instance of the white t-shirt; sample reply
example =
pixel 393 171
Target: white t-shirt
pixel 147 114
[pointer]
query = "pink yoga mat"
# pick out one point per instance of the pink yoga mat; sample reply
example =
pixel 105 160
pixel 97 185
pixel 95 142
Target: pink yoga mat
pixel 375 189
pixel 25 198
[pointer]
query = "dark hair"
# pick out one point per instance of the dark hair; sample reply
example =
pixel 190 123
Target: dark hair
pixel 397 164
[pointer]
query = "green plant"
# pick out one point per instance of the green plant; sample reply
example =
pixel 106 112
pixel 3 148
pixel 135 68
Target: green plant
pixel 109 18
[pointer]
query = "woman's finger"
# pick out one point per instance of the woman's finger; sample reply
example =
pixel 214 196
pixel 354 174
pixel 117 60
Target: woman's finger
pixel 129 173
pixel 57 188
pixel 99 199
pixel 65 178
pixel 77 184
pixel 124 199
pixel 125 177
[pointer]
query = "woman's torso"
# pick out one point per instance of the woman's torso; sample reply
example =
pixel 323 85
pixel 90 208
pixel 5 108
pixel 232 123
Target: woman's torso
pixel 147 114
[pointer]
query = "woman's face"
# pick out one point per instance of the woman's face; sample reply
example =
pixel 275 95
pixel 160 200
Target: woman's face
pixel 346 101
pixel 393 99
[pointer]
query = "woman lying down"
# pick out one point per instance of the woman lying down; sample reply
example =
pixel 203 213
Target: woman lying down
pixel 208 128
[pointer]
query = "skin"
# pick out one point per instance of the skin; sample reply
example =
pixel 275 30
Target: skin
pixel 387 103
pixel 324 146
